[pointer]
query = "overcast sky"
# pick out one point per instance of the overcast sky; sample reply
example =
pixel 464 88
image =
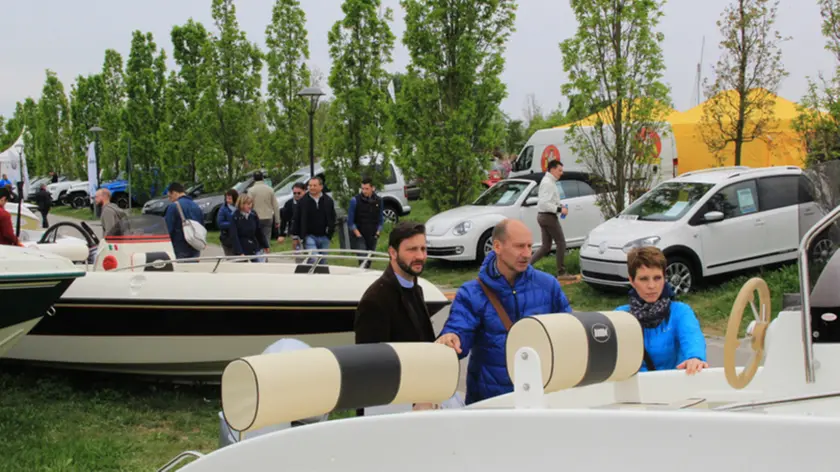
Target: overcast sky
pixel 70 37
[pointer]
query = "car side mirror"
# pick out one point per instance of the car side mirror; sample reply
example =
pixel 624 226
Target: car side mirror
pixel 713 216
pixel 531 201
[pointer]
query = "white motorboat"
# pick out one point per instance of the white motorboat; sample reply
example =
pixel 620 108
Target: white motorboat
pixel 579 402
pixel 141 311
pixel 30 283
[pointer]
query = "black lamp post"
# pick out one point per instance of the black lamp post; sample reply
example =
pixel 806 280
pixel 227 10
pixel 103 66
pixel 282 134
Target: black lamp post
pixel 313 93
pixel 19 148
pixel 96 130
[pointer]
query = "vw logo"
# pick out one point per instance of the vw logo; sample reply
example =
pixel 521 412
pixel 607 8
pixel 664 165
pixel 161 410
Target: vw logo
pixel 602 248
pixel 600 333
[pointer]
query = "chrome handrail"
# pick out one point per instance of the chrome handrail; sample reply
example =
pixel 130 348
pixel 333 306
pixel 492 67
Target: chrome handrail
pixel 178 459
pixel 316 254
pixel 805 289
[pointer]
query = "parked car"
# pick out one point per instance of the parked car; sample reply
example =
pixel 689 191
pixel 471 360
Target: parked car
pixel 412 190
pixel 708 222
pixel 58 190
pixel 393 193
pixel 157 206
pixel 464 233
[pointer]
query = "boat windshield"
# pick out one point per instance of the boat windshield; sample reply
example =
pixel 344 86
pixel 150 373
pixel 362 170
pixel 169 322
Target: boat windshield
pixel 669 201
pixel 142 225
pixel 504 193
pixel 819 194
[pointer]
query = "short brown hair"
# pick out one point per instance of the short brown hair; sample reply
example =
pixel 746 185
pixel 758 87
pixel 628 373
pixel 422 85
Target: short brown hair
pixel 647 256
pixel 404 230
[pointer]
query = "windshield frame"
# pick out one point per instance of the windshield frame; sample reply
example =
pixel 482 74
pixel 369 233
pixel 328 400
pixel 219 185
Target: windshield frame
pixel 634 210
pixel 499 189
pixel 289 182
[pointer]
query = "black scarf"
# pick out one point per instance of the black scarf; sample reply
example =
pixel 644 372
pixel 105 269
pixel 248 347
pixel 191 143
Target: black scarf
pixel 650 315
pixel 370 199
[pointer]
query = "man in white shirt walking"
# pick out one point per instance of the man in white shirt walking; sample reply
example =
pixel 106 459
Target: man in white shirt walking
pixel 548 207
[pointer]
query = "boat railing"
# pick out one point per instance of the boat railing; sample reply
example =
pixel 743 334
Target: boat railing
pixel 313 258
pixel 805 288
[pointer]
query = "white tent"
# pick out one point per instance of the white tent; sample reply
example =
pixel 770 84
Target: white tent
pixel 13 163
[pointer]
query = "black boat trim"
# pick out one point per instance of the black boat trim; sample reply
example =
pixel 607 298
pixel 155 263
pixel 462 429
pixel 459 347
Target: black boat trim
pixel 142 318
pixel 31 299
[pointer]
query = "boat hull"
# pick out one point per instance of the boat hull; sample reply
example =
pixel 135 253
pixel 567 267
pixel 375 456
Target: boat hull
pixel 26 299
pixel 128 327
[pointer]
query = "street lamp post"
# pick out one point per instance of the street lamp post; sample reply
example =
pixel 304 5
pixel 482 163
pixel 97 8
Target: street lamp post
pixel 19 148
pixel 96 130
pixel 313 93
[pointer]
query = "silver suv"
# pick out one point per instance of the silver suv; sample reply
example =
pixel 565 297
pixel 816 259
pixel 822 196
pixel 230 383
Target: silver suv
pixel 394 193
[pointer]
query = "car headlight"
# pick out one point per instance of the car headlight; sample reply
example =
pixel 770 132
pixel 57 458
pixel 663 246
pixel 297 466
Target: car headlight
pixel 462 228
pixel 204 205
pixel 648 241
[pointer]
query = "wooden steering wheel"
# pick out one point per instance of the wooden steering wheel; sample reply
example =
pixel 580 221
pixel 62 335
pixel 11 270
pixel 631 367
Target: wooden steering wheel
pixel 762 321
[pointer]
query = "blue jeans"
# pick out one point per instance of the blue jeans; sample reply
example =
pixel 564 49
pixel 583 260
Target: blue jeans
pixel 316 242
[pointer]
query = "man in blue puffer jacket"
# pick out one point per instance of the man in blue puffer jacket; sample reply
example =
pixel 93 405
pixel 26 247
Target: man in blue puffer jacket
pixel 474 325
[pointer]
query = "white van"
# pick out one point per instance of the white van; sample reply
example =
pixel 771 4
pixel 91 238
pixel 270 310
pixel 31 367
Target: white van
pixel 550 144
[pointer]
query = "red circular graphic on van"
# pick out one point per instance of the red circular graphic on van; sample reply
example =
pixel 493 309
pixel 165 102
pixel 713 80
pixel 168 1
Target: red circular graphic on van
pixel 646 134
pixel 550 153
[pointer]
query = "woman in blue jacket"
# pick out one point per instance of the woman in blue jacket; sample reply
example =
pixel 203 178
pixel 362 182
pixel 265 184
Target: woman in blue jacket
pixel 248 239
pixel 672 335
pixel 224 220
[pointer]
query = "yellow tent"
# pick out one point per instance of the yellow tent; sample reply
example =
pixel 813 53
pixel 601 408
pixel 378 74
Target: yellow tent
pixel 782 146
pixel 605 117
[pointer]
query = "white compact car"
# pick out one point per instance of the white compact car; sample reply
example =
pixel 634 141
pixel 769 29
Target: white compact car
pixel 464 233
pixel 708 222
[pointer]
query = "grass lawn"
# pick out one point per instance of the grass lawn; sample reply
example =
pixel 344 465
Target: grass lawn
pixel 61 421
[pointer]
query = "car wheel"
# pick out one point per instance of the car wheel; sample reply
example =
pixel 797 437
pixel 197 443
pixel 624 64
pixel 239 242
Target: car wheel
pixel 122 201
pixel 391 213
pixel 485 245
pixel 680 274
pixel 78 201
pixel 822 251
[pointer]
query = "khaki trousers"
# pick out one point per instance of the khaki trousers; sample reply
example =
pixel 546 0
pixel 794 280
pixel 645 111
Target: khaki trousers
pixel 551 230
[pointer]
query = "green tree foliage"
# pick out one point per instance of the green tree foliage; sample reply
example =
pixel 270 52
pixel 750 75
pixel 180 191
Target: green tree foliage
pixel 113 150
pixel 360 115
pixel 740 108
pixel 232 98
pixel 86 105
pixel 449 99
pixel 615 57
pixel 819 112
pixel 145 81
pixel 184 135
pixel 287 75
pixel 53 135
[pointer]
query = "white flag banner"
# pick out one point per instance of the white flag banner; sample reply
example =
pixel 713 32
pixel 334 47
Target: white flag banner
pixel 13 164
pixel 92 169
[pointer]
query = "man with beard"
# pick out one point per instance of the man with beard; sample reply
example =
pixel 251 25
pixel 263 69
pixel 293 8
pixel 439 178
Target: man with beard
pixel 393 309
pixel 506 280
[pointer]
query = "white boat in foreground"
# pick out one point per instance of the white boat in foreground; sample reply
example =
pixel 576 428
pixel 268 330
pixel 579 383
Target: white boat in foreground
pixel 30 283
pixel 579 402
pixel 139 310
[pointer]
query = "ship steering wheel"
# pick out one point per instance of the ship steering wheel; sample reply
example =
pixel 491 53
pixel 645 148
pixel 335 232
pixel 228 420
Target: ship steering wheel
pixel 762 321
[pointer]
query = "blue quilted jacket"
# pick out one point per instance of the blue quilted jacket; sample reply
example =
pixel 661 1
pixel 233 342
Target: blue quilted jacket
pixel 677 339
pixel 481 331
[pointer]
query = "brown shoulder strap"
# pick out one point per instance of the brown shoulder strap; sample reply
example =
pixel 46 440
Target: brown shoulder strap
pixel 494 300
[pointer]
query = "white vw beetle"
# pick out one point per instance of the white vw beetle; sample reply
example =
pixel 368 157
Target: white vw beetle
pixel 464 233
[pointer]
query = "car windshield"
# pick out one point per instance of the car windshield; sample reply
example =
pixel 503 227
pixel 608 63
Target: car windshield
pixel 504 193
pixel 285 185
pixel 669 201
pixel 242 186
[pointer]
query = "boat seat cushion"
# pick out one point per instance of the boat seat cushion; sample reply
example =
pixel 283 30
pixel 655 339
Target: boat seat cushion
pixel 158 256
pixel 305 268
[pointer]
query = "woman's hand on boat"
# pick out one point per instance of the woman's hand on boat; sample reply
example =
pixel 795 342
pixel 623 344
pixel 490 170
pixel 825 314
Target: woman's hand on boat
pixel 452 340
pixel 693 366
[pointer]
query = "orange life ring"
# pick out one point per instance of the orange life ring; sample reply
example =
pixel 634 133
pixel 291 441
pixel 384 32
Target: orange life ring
pixel 550 153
